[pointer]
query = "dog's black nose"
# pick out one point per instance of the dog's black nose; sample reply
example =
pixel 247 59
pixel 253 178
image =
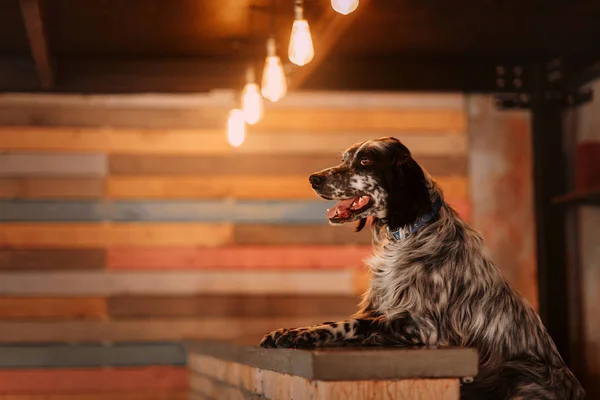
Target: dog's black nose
pixel 316 180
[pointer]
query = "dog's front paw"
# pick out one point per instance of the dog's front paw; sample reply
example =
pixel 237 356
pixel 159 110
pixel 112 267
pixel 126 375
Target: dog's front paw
pixel 270 340
pixel 297 339
pixel 289 338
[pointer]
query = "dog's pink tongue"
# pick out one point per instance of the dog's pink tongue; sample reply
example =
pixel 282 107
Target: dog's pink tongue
pixel 340 209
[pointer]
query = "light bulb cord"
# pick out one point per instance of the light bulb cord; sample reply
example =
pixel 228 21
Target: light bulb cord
pixel 298 10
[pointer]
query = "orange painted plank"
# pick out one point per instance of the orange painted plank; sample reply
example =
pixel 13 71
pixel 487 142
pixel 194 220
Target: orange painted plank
pixel 240 187
pixel 50 188
pixel 151 330
pixel 18 381
pixel 344 120
pixel 22 308
pixel 76 235
pixel 214 142
pixel 137 395
pixel 242 257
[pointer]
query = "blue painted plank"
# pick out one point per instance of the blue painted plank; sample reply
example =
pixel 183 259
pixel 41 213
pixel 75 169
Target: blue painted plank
pixel 246 211
pixel 91 355
pixel 57 164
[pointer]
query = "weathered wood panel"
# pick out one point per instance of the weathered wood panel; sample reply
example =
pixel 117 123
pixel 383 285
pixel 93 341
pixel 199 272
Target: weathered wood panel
pixel 262 234
pixel 91 283
pixel 213 142
pixel 104 395
pixel 243 187
pixel 40 235
pixel 24 308
pixel 50 188
pixel 501 190
pixel 238 257
pixel 142 330
pixel 372 120
pixel 234 306
pixel 91 355
pixel 92 379
pixel 258 165
pixel 282 212
pixel 51 259
pixel 35 164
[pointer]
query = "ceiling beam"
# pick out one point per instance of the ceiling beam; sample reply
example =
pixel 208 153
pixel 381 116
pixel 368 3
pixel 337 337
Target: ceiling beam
pixel 328 31
pixel 38 43
pixel 193 75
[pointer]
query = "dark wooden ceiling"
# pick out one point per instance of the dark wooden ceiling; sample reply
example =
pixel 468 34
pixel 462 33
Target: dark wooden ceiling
pixel 196 45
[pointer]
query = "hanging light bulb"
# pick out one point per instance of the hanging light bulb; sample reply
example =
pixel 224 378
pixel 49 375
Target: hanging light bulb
pixel 344 6
pixel 252 102
pixel 300 50
pixel 236 127
pixel 274 85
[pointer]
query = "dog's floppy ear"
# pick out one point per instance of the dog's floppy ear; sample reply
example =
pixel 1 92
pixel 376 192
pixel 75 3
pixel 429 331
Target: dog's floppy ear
pixel 408 193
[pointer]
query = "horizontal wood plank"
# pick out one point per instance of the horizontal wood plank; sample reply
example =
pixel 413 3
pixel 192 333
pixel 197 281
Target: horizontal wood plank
pixel 369 100
pixel 41 235
pixel 238 257
pixel 114 116
pixel 372 120
pixel 257 165
pixel 226 98
pixel 50 188
pixel 87 379
pixel 430 144
pixel 177 282
pixel 213 142
pixel 104 395
pixel 234 306
pixel 265 234
pixel 36 164
pixel 167 211
pixel 52 308
pixel 142 330
pixel 52 259
pixel 91 355
pixel 247 187
pixel 175 210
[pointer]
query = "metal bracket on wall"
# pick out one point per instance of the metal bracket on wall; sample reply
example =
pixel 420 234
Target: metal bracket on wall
pixel 560 98
pixel 552 89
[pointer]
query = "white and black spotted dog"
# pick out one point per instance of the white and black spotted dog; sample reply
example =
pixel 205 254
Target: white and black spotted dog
pixel 432 281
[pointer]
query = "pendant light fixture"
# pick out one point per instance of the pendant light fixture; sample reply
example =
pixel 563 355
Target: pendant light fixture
pixel 252 101
pixel 300 50
pixel 236 127
pixel 344 7
pixel 274 84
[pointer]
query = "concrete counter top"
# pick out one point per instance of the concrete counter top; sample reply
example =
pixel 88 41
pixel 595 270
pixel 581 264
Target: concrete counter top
pixel 242 371
pixel 335 364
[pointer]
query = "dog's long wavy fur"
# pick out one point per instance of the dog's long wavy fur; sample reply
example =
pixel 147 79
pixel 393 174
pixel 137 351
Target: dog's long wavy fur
pixel 437 287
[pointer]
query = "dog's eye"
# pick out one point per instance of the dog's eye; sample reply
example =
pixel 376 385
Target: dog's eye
pixel 365 161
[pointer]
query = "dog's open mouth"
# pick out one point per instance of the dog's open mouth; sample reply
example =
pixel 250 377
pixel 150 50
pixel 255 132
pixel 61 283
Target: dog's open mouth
pixel 344 210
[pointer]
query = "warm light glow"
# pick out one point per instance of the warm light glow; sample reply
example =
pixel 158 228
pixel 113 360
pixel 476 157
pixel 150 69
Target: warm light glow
pixel 274 85
pixel 236 127
pixel 301 50
pixel 252 102
pixel 344 6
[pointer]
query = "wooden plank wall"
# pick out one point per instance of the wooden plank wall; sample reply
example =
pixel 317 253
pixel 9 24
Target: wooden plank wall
pixel 129 221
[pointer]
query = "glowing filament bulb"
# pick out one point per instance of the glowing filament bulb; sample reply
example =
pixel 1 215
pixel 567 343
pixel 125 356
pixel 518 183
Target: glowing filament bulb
pixel 236 127
pixel 274 85
pixel 252 102
pixel 344 7
pixel 300 50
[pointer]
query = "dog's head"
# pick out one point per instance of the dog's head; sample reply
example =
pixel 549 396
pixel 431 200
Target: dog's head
pixel 377 178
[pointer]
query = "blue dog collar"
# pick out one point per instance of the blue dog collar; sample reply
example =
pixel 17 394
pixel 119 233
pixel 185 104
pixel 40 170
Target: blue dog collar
pixel 405 231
